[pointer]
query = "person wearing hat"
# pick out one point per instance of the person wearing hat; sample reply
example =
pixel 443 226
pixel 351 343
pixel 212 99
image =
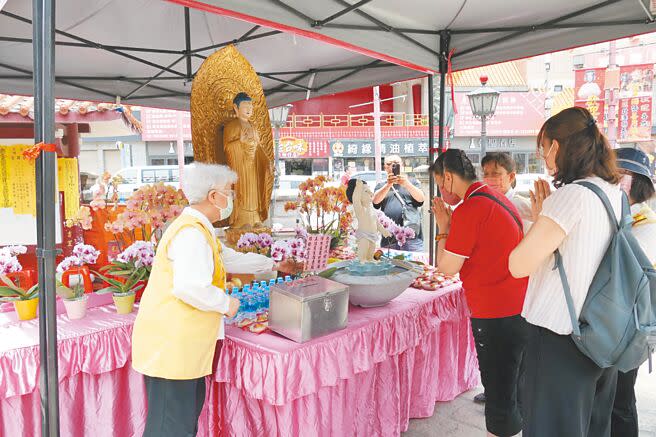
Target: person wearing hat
pixel 637 183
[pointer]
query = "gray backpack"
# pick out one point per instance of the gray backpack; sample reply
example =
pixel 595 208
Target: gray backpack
pixel 617 325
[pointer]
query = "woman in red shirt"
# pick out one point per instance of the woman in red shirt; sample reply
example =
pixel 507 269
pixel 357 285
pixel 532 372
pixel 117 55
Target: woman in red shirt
pixel 476 240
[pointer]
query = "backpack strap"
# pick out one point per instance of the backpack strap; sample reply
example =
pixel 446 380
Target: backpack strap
pixel 576 330
pixel 491 197
pixel 625 218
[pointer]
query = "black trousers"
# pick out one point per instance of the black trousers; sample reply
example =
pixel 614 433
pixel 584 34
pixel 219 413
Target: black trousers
pixel 624 422
pixel 173 406
pixel 566 394
pixel 500 346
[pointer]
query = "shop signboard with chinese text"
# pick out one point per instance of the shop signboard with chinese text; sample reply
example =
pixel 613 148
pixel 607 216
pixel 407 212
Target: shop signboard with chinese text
pixel 360 148
pixel 589 91
pixel 299 148
pixel 634 119
pixel 517 114
pixel 162 125
pixel 636 80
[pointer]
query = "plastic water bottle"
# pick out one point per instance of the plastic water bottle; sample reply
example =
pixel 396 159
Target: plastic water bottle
pixel 281 280
pixel 267 294
pixel 256 299
pixel 288 278
pixel 272 283
pixel 247 289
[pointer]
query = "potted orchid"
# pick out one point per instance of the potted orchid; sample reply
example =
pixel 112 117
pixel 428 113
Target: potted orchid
pixel 128 273
pixel 146 213
pixel 323 209
pixel 400 233
pixel 75 279
pixel 287 253
pixel 19 290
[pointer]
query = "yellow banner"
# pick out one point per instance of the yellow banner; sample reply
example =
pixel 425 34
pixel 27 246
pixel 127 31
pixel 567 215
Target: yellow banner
pixel 18 182
pixel 69 182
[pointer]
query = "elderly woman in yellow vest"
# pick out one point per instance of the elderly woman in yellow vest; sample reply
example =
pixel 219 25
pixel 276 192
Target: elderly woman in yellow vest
pixel 181 313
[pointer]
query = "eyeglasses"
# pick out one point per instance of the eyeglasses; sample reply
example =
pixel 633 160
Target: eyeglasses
pixel 227 193
pixel 388 164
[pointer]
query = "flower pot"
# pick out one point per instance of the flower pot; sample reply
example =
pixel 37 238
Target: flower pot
pixel 124 302
pixel 76 308
pixel 26 309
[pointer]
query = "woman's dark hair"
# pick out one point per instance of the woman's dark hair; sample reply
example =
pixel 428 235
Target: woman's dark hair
pixel 350 188
pixel 454 161
pixel 501 159
pixel 584 151
pixel 642 188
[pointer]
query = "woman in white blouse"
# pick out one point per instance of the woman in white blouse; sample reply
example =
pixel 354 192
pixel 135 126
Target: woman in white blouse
pixel 637 183
pixel 566 394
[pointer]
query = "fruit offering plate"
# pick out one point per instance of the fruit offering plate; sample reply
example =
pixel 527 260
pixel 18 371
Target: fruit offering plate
pixel 432 280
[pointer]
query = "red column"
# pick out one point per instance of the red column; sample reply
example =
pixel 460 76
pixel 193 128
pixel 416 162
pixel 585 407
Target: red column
pixel 72 140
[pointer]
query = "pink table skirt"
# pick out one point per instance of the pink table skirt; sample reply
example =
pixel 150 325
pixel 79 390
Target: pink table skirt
pixel 391 364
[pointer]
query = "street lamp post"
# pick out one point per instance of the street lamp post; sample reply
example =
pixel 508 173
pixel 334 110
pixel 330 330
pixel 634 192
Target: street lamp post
pixel 278 118
pixel 483 102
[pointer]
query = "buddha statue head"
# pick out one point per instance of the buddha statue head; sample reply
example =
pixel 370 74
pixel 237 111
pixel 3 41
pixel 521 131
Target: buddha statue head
pixel 243 106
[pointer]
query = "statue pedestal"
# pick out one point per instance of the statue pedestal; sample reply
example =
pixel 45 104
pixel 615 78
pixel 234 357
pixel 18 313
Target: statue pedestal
pixel 232 236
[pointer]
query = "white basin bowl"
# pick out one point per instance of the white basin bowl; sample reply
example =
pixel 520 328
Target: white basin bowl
pixel 374 291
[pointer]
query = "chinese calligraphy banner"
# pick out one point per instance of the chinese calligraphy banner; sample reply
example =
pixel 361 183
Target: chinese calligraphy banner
pixel 162 125
pixel 68 182
pixel 18 182
pixel 588 91
pixel 359 148
pixel 634 119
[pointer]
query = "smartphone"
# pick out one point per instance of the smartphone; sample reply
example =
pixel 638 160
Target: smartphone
pixel 396 169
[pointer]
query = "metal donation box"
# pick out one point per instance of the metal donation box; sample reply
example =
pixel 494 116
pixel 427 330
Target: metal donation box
pixel 308 308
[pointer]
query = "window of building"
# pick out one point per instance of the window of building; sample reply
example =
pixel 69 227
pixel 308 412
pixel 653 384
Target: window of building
pixel 153 176
pixel 129 176
pixel 298 167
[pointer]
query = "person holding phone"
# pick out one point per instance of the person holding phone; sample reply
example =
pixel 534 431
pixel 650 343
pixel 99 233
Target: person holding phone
pixel 397 194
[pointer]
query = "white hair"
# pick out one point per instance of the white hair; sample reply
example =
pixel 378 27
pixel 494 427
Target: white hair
pixel 200 178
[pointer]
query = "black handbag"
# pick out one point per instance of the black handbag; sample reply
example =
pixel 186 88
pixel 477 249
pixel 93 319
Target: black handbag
pixel 411 216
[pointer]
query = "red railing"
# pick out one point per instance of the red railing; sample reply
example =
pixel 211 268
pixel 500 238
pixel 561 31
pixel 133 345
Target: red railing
pixel 387 119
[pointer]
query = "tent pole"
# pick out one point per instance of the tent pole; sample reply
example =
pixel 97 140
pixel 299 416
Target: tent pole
pixel 431 158
pixel 445 41
pixel 43 28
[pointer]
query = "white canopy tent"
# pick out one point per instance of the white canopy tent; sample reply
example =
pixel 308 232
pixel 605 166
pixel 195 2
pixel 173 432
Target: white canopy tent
pixel 146 52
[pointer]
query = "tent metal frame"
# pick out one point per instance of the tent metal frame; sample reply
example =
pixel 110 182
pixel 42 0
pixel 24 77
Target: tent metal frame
pixel 44 42
pixel 288 85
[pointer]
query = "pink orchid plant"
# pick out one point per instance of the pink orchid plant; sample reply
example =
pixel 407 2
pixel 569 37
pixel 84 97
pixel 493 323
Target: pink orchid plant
pixel 9 259
pixel 279 251
pixel 148 210
pixel 400 233
pixel 133 265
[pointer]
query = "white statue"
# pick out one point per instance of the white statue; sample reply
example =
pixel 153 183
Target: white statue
pixel 360 195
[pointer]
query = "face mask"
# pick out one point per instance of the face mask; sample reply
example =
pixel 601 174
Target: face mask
pixel 449 197
pixel 227 211
pixel 493 181
pixel 552 171
pixel 625 183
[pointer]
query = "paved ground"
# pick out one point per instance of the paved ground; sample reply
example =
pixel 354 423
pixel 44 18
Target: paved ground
pixel 463 418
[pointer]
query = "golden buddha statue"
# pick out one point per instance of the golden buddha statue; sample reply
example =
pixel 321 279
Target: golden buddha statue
pixel 230 125
pixel 244 154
